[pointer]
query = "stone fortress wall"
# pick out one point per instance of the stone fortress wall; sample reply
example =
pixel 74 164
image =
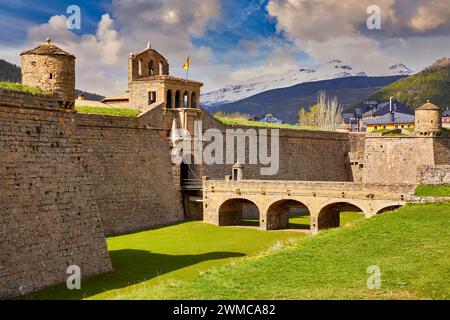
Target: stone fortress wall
pixel 304 155
pixel 49 218
pixel 67 180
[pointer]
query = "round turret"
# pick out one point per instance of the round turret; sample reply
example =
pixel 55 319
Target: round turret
pixel 51 69
pixel 428 120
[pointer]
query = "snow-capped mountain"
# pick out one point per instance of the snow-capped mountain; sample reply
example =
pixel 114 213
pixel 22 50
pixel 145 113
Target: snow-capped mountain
pixel 332 70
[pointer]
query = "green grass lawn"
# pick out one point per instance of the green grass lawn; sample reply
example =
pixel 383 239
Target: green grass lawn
pixel 304 222
pixel 19 87
pixel 425 190
pixel 174 253
pixel 411 246
pixel 197 261
pixel 243 122
pixel 109 111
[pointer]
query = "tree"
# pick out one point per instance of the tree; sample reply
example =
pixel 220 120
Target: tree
pixel 326 114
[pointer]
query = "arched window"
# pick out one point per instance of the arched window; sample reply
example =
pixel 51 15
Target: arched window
pixel 161 71
pixel 186 99
pixel 169 99
pixel 140 68
pixel 177 99
pixel 194 100
pixel 150 68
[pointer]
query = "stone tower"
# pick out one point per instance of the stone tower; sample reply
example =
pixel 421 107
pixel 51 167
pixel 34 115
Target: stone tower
pixel 175 103
pixel 428 120
pixel 51 69
pixel 151 86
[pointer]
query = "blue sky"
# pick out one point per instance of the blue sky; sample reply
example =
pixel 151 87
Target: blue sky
pixel 241 20
pixel 229 40
pixel 18 15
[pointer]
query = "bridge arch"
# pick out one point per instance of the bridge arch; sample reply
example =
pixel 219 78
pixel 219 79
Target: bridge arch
pixel 279 212
pixel 239 211
pixel 329 216
pixel 388 208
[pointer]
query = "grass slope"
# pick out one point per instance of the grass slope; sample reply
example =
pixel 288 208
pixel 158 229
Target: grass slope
pixel 411 246
pixel 109 111
pixel 425 190
pixel 417 89
pixel 19 87
pixel 178 252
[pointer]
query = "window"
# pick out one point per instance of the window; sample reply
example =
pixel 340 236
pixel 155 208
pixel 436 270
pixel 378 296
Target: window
pixel 384 127
pixel 376 127
pixel 151 97
pixel 150 68
pixel 235 174
pixel 51 76
pixel 194 100
pixel 396 126
pixel 169 99
pixel 402 126
pixel 177 99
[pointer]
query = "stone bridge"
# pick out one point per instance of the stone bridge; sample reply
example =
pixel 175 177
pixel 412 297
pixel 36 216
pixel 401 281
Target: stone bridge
pixel 224 201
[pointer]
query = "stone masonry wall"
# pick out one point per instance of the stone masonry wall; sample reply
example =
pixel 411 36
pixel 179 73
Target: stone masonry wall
pixel 304 155
pixel 49 218
pixel 438 174
pixel 66 180
pixel 130 166
pixel 395 159
pixel 442 149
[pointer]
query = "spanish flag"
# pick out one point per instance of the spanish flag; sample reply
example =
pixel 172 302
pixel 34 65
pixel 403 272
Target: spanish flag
pixel 187 63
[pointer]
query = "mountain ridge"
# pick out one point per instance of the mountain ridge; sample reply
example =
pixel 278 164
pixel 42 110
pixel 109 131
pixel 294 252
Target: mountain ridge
pixel 333 69
pixel 432 83
pixel 285 103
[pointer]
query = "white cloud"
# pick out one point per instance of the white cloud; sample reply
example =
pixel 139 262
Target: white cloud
pixel 102 57
pixel 329 29
pixel 325 29
pixel 100 61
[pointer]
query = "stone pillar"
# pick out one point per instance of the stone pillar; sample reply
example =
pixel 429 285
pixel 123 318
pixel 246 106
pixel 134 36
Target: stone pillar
pixel 188 100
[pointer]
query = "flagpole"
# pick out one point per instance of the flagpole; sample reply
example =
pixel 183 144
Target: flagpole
pixel 187 69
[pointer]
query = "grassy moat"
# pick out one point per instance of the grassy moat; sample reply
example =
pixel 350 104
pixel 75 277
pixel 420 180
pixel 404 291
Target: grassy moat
pixel 193 260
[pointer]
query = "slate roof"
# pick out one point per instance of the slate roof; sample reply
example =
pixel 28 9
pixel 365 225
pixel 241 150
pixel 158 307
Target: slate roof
pixel 387 119
pixel 384 108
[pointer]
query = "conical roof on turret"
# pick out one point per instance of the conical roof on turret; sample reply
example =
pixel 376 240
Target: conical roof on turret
pixel 429 106
pixel 47 48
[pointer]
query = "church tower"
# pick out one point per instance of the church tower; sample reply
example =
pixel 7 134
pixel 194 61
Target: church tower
pixel 175 103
